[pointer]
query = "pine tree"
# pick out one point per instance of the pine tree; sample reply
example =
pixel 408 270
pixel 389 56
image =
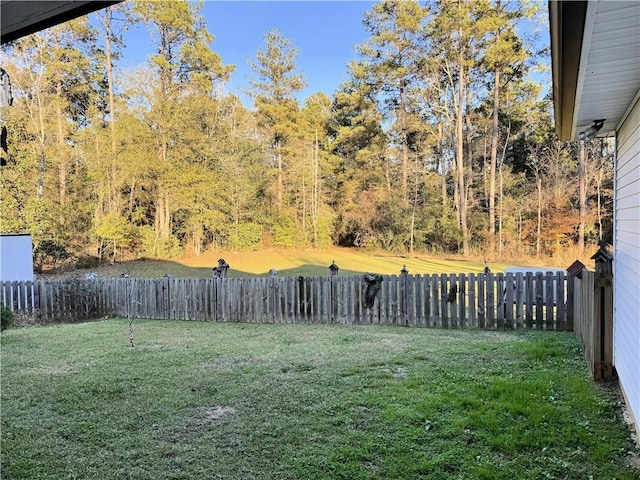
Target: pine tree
pixel 273 89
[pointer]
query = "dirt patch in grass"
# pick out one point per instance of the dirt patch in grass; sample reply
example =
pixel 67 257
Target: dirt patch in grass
pixel 202 419
pixel 57 369
pixel 215 414
pixel 401 373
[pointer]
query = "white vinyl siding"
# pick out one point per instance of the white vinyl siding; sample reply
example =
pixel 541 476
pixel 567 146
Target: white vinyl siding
pixel 626 293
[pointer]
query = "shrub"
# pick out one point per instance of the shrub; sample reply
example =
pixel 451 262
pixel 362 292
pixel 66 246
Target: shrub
pixel 284 233
pixel 154 247
pixel 246 236
pixel 6 317
pixel 87 261
pixel 49 252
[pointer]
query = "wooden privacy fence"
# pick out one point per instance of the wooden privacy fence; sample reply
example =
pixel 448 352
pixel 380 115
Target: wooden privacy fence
pixel 593 313
pixel 492 301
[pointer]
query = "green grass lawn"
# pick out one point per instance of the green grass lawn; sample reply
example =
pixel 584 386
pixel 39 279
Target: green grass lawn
pixel 243 401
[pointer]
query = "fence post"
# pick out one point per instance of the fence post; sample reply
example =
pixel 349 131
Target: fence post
pixel 603 318
pixel 570 301
pixel 333 295
pixel 573 271
pixel 404 314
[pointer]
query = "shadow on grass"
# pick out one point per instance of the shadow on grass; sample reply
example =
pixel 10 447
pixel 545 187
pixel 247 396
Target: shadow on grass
pixel 159 268
pixel 286 263
pixel 151 268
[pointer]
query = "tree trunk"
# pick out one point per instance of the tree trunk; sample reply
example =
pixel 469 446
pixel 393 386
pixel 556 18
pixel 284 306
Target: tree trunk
pixel 500 212
pixel 582 194
pixel 315 202
pixel 599 187
pixel 484 166
pixel 469 145
pixel 405 146
pixel 456 191
pixel 41 169
pixel 280 180
pixel 539 226
pixel 62 162
pixel 494 155
pixel 460 145
pixel 113 190
pixel 413 218
pixel 162 217
pixel 304 202
pixel 132 196
pixel 443 168
pixel 62 167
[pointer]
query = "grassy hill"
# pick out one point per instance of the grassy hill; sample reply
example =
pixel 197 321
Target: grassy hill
pixel 294 263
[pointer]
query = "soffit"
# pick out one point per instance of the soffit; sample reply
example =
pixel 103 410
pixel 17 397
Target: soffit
pixel 609 72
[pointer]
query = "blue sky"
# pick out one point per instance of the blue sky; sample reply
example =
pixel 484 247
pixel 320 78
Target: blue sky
pixel 324 32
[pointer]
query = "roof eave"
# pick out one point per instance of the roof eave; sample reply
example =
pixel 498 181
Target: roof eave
pixel 566 20
pixel 67 10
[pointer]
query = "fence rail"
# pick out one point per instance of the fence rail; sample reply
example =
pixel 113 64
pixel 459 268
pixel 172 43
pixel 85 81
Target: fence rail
pixel 492 301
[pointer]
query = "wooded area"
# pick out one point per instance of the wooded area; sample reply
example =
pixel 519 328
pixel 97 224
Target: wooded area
pixel 440 141
pixel 491 301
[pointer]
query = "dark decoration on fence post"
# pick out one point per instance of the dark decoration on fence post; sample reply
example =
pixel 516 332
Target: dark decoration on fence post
pixel 221 270
pixel 304 305
pixel 334 268
pixel 404 303
pixel 453 292
pixel 273 272
pixel 372 288
pixel 333 298
pixel 575 269
pixel 603 260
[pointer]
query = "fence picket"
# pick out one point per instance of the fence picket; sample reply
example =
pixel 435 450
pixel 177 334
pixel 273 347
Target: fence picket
pixel 501 301
pixel 570 302
pixel 519 291
pixel 549 301
pixel 471 301
pixel 489 304
pixel 529 300
pixel 539 285
pixel 444 307
pixel 482 282
pixel 509 299
pixel 462 294
pixel 560 313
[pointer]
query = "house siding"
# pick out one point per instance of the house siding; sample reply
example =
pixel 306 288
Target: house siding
pixel 626 296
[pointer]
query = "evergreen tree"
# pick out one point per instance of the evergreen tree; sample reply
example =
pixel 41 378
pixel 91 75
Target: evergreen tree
pixel 273 89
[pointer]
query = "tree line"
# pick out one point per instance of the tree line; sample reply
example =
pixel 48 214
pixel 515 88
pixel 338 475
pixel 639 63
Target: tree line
pixel 441 140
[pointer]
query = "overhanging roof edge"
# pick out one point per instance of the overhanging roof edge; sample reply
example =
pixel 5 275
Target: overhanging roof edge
pixel 73 9
pixel 567 21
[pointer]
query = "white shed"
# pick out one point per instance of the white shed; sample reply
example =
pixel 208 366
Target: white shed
pixel 16 257
pixel 595 48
